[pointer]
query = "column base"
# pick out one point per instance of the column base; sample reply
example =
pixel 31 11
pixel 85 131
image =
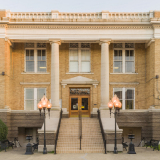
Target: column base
pixel 103 107
pixel 56 108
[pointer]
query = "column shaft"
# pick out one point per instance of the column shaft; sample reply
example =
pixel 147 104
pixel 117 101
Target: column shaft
pixel 104 74
pixel 55 73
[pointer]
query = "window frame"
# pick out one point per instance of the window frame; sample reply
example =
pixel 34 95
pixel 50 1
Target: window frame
pixel 79 58
pixel 123 58
pixel 35 96
pixel 35 58
pixel 124 98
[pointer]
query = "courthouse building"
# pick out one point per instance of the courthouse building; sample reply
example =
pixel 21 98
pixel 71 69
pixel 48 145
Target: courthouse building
pixel 84 59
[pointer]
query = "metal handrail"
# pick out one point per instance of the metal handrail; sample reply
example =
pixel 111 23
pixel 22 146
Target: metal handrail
pixel 80 126
pixel 58 131
pixel 102 131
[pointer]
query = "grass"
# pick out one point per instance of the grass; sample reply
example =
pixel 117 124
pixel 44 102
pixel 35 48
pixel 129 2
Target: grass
pixel 51 152
pixel 154 148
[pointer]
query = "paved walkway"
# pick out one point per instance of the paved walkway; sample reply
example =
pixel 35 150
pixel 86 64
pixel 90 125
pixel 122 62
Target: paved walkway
pixel 18 154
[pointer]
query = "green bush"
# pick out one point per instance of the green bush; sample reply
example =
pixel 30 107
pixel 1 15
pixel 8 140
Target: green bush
pixel 3 131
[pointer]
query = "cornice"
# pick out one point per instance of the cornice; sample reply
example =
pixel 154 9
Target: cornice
pixel 76 27
pixel 149 43
pixel 3 25
pixel 156 26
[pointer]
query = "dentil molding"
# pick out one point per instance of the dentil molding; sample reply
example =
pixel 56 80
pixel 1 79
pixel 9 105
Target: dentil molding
pixel 76 27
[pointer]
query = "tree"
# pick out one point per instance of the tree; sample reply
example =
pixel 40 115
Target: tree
pixel 3 131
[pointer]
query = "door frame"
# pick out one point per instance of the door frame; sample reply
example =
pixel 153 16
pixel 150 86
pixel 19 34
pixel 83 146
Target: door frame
pixel 79 104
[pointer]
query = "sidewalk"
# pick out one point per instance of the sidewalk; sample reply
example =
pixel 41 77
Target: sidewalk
pixel 19 154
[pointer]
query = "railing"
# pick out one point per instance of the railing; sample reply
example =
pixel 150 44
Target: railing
pixel 81 16
pixel 80 126
pixel 58 131
pixel 102 130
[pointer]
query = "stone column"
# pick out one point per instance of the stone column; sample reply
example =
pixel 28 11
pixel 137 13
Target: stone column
pixel 55 73
pixel 104 73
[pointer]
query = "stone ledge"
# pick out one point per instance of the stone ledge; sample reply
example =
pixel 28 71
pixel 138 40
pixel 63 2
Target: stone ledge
pixel 110 147
pixel 50 148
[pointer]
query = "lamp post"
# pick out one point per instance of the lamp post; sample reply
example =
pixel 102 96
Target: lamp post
pixel 117 104
pixel 44 104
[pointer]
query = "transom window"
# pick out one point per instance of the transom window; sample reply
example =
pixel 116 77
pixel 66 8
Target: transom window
pixel 126 96
pixel 79 57
pixel 124 58
pixel 32 96
pixel 35 58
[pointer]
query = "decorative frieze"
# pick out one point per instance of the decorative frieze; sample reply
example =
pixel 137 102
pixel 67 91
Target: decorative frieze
pixel 41 45
pixel 29 45
pixel 117 45
pixel 73 45
pixel 77 27
pixel 79 91
pixel 129 45
pixel 85 45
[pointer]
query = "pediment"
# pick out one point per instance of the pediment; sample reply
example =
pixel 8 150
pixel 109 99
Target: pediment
pixel 79 80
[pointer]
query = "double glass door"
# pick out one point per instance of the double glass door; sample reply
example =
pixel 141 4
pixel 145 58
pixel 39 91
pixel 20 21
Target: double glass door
pixel 77 102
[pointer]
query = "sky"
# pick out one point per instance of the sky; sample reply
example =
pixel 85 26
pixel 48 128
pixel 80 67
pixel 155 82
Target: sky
pixel 80 5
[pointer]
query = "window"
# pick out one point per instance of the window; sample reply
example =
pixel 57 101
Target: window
pixel 35 58
pixel 32 96
pixel 29 60
pixel 79 57
pixel 126 96
pixel 41 61
pixel 123 59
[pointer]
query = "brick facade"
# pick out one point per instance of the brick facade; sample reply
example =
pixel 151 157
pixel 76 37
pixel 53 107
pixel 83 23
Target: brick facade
pixel 15 69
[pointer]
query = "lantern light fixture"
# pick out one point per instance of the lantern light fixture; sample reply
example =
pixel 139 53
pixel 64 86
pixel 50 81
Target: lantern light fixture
pixel 44 104
pixel 117 105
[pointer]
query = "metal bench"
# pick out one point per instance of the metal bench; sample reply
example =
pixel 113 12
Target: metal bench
pixel 125 145
pixel 35 145
pixel 6 144
pixel 152 143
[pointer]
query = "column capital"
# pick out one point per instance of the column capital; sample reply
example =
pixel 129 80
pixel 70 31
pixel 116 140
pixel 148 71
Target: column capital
pixel 9 42
pixel 55 41
pixel 105 41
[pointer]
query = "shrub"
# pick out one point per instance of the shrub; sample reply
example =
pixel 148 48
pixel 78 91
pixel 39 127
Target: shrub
pixel 3 131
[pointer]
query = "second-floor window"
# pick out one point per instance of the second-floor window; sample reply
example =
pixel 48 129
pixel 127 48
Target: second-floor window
pixel 79 57
pixel 32 96
pixel 124 58
pixel 35 58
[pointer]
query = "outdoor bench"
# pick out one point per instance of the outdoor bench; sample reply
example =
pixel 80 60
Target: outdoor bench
pixel 152 143
pixel 6 144
pixel 125 145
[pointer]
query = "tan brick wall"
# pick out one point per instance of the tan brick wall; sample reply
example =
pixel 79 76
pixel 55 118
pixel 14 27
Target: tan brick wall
pixel 2 69
pixel 152 69
pixel 2 13
pixel 157 72
pixel 95 69
pixel 157 14
pixel 143 63
pixel 140 77
pixel 17 97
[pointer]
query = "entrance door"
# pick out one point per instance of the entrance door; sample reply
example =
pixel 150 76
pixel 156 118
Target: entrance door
pixel 77 102
pixel 79 98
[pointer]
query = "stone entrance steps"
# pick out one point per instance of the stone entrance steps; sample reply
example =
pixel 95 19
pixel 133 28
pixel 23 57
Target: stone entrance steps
pixel 68 139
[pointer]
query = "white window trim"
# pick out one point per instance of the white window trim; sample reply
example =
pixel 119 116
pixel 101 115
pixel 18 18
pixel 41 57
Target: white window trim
pixel 35 59
pixel 123 97
pixel 123 59
pixel 35 97
pixel 79 59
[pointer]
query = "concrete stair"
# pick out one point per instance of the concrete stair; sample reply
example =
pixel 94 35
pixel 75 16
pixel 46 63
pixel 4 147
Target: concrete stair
pixel 68 139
